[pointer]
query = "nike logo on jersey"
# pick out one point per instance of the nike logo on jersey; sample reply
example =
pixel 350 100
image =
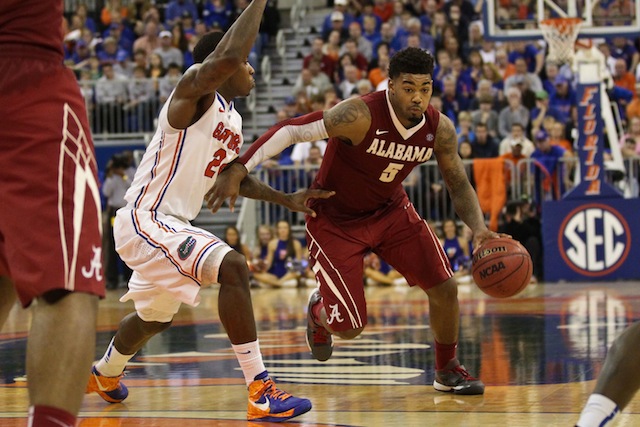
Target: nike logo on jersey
pixel 262 406
pixel 381 132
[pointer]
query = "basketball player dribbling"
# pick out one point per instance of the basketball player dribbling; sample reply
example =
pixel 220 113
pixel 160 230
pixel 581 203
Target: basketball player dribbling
pixel 199 132
pixel 375 142
pixel 50 237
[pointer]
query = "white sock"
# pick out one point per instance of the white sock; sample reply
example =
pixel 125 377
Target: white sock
pixel 598 411
pixel 113 362
pixel 250 360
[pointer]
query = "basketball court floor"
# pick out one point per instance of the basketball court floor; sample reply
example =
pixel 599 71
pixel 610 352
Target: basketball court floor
pixel 538 353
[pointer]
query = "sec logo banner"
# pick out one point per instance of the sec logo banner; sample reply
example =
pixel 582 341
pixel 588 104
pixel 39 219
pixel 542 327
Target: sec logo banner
pixel 594 239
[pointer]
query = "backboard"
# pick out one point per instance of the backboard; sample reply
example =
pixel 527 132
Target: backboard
pixel 511 20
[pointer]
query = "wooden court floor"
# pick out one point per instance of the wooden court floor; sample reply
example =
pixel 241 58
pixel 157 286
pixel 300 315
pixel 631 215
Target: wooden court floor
pixel 538 354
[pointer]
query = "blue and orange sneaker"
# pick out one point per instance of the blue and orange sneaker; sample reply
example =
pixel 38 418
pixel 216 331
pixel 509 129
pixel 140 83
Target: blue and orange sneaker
pixel 108 388
pixel 269 404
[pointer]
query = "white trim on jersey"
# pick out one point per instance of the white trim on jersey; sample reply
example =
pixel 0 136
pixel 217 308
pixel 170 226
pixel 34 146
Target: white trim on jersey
pixel 404 132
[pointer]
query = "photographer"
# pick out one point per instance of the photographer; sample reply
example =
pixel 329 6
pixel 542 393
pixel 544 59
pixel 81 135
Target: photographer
pixel 115 186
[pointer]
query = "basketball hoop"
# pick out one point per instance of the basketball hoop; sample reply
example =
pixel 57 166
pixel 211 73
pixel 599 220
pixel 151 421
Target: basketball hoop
pixel 561 35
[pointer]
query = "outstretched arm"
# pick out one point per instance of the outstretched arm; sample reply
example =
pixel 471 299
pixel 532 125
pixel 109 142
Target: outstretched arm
pixel 252 188
pixel 463 196
pixel 348 121
pixel 229 55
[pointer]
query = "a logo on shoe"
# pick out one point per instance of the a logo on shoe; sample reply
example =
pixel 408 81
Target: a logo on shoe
pixel 100 386
pixel 335 314
pixel 262 406
pixel 186 247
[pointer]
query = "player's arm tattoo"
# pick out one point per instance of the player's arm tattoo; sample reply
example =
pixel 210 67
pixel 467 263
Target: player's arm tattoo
pixel 463 196
pixel 346 119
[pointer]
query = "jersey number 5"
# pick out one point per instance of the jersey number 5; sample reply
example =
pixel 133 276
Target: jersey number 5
pixel 390 172
pixel 218 157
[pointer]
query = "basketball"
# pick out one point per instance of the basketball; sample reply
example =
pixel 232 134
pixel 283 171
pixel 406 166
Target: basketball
pixel 502 267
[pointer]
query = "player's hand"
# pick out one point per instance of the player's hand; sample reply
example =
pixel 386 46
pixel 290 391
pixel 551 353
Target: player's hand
pixel 298 200
pixel 482 236
pixel 227 186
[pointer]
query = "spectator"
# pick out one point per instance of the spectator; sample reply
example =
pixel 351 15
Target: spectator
pixel 379 76
pixel 450 99
pixel 363 87
pixel 149 41
pixel 363 44
pixel 112 54
pixel 336 22
pixel 282 250
pixel 168 82
pixel 564 100
pixel 623 48
pixel 557 137
pixel 111 9
pixel 232 238
pixel 485 146
pixel 622 77
pixel 533 57
pixel 217 13
pixel 516 136
pixel 388 35
pixel 347 86
pixel 456 247
pixel 175 9
pixel 370 30
pixel 551 71
pixel 414 28
pixel 141 102
pixel 633 132
pixel 486 115
pixel 331 48
pixel 513 161
pixel 525 230
pixel 114 188
pixel 514 112
pixel 264 235
pixel 376 272
pixel 542 110
pixel 350 47
pixel 522 75
pixel 327 63
pixel 309 84
pixel 475 43
pixel 383 9
pixel 111 94
pixel 551 176
pixel 505 67
pixel 465 127
pixel 166 50
pixel 633 107
pixel 155 69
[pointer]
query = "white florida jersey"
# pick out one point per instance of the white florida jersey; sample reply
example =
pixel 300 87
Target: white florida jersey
pixel 181 165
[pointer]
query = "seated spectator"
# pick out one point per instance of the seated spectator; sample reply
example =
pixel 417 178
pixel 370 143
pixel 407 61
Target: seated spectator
pixel 486 115
pixel 234 240
pixel 168 82
pixel 281 251
pixel 380 74
pixel 327 63
pixel 155 69
pixel 456 247
pixel 542 110
pixel 633 132
pixel 337 21
pixel 451 104
pixel 383 9
pixel 112 8
pixel 149 41
pixel 551 71
pixel 633 107
pixel 514 112
pixel 519 224
pixel 166 50
pixel 517 135
pixel 363 87
pixel 331 48
pixel 312 80
pixel 523 75
pixel 624 48
pixel 414 28
pixel 350 48
pixel 377 272
pixel 141 102
pixel 485 146
pixel 557 136
pixel 551 175
pixel 175 8
pixel 371 30
pixel 112 54
pixel 465 127
pixel 564 100
pixel 505 67
pixel 513 162
pixel 347 86
pixel 111 95
pixel 217 13
pixel 532 56
pixel 364 46
pixel 622 77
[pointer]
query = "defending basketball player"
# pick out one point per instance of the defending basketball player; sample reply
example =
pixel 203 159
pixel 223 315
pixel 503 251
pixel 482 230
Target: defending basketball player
pixel 199 131
pixel 375 142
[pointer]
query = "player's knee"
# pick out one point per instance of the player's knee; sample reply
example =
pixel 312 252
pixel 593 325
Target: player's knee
pixel 234 270
pixel 350 334
pixel 153 321
pixel 445 291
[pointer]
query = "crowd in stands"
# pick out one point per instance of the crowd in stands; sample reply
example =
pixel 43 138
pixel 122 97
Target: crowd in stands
pixel 129 55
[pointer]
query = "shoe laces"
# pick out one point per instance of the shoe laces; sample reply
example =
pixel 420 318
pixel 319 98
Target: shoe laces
pixel 463 372
pixel 274 391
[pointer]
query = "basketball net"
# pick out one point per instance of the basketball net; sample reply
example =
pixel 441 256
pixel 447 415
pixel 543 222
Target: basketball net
pixel 561 35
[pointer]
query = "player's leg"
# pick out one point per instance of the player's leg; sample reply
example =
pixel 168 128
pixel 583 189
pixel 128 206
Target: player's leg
pixel 617 383
pixel 7 298
pixel 266 401
pixel 61 314
pixel 338 306
pixel 412 248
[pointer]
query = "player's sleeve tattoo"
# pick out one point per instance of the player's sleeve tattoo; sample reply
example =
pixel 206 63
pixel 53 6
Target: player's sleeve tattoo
pixel 346 113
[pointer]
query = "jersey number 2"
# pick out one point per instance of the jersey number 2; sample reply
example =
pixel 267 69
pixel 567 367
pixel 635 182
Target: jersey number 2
pixel 218 157
pixel 390 172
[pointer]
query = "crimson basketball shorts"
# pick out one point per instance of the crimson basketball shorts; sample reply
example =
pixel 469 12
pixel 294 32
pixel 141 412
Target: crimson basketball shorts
pixel 398 235
pixel 50 229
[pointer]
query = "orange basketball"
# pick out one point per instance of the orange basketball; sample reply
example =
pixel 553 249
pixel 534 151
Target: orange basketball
pixel 502 267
